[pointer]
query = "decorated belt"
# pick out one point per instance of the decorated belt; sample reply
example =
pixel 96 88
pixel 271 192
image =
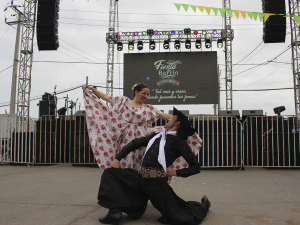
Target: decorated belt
pixel 152 173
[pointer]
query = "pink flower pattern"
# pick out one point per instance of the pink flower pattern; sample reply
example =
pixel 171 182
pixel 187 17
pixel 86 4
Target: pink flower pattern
pixel 117 136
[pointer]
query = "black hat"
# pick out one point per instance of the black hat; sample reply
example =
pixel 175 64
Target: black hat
pixel 184 122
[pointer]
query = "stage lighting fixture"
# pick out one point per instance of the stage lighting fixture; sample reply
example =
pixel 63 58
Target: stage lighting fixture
pixel 207 43
pixel 164 32
pixel 120 33
pixel 136 33
pixel 152 45
pixel 177 44
pixel 220 43
pixel 173 32
pixel 140 45
pixel 180 32
pixel 215 32
pixel 204 32
pixel 198 44
pixel 120 46
pixel 166 44
pixel 130 45
pixel 187 31
pixel 150 32
pixel 188 44
pixel 195 32
pixel 144 32
pixel 128 33
pixel 156 32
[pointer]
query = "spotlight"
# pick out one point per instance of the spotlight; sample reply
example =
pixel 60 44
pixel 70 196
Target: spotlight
pixel 187 31
pixel 130 45
pixel 173 32
pixel 120 46
pixel 140 45
pixel 195 32
pixel 120 33
pixel 215 32
pixel 136 33
pixel 188 44
pixel 198 44
pixel 150 32
pixel 220 43
pixel 207 43
pixel 166 44
pixel 152 45
pixel 204 32
pixel 177 44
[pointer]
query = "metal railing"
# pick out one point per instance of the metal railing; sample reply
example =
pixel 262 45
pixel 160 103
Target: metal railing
pixel 17 139
pixel 227 141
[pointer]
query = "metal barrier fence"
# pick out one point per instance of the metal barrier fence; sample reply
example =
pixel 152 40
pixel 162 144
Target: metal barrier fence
pixel 17 139
pixel 227 141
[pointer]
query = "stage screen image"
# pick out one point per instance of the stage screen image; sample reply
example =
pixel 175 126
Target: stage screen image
pixel 174 78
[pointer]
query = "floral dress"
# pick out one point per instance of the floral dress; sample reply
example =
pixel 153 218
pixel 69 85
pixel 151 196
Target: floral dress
pixel 110 129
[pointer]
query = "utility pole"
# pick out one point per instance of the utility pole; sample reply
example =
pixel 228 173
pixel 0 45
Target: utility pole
pixel 16 55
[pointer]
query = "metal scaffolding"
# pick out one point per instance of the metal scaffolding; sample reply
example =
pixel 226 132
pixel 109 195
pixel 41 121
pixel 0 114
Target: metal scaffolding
pixel 295 40
pixel 110 50
pixel 26 56
pixel 228 55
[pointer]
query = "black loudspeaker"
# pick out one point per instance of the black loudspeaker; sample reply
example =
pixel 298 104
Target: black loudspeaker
pixel 274 29
pixel 47 25
pixel 46 108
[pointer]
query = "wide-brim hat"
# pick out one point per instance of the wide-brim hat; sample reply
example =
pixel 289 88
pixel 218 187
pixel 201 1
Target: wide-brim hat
pixel 184 122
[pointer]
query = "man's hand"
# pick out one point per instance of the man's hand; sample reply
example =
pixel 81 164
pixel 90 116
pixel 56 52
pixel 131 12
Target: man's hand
pixel 171 172
pixel 116 164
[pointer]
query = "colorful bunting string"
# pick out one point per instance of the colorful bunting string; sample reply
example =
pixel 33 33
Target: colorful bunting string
pixel 260 15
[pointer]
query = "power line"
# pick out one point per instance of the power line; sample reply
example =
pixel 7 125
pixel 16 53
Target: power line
pixel 6 68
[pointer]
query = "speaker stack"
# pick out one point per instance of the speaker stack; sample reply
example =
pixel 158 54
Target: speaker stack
pixel 47 25
pixel 275 27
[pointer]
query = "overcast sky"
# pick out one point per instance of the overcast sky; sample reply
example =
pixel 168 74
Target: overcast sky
pixel 82 29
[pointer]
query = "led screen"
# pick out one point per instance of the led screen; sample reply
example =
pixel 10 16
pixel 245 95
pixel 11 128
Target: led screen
pixel 174 77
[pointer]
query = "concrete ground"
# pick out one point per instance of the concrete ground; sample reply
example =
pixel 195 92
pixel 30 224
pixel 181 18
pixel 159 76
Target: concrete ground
pixel 66 194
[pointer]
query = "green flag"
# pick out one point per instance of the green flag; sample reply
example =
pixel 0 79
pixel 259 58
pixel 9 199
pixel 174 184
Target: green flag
pixel 215 10
pixel 261 16
pixel 177 5
pixel 255 14
pixel 185 6
pixel 249 14
pixel 229 11
pixel 194 7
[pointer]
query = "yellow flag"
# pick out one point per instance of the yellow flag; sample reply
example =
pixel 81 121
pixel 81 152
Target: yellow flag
pixel 243 14
pixel 237 13
pixel 267 15
pixel 208 9
pixel 200 8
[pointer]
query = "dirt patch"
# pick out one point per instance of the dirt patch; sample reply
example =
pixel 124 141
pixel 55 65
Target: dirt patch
pixel 291 222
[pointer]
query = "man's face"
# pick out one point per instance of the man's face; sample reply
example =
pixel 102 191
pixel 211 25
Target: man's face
pixel 171 122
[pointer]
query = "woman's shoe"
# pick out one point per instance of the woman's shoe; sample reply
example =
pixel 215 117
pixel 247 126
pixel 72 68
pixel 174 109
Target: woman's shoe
pixel 206 202
pixel 113 217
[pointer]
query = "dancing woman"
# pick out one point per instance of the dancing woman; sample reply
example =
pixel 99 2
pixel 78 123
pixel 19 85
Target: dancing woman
pixel 111 129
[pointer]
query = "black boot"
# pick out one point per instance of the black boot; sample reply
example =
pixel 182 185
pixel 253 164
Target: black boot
pixel 113 216
pixel 206 202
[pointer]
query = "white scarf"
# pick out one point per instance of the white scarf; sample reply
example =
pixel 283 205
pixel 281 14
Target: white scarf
pixel 161 154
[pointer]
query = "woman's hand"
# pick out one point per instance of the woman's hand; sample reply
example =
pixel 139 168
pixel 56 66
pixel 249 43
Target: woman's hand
pixel 171 172
pixel 86 87
pixel 116 164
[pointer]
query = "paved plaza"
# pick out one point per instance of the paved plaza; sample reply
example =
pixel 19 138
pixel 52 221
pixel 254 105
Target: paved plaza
pixel 67 195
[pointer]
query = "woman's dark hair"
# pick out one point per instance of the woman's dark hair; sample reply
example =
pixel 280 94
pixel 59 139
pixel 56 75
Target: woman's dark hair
pixel 138 87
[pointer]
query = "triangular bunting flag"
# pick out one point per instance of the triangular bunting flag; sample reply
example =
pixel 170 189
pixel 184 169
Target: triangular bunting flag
pixel 243 14
pixel 208 9
pixel 229 11
pixel 185 6
pixel 215 10
pixel 286 15
pixel 255 14
pixel 201 8
pixel 177 5
pixel 267 15
pixel 237 13
pixel 193 7
pixel 249 14
pixel 222 11
pixel 261 16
